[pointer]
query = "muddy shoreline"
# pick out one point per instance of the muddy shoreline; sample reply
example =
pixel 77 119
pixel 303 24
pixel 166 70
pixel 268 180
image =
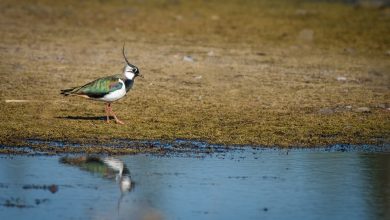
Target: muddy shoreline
pixel 176 147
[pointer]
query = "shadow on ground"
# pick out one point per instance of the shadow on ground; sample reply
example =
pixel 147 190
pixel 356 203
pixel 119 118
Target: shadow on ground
pixel 89 118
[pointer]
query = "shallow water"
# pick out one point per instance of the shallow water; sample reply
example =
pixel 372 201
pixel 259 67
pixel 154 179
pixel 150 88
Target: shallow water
pixel 229 184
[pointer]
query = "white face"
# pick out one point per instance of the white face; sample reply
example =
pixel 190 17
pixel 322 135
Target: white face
pixel 129 72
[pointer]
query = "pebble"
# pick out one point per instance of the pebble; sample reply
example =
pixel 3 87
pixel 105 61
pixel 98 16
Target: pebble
pixel 53 188
pixel 188 59
pixel 363 110
pixel 381 106
pixel 215 17
pixel 341 78
pixel 349 50
pixel 326 111
pixel 304 12
pixel 371 3
pixel 301 12
pixel 198 77
pixel 179 17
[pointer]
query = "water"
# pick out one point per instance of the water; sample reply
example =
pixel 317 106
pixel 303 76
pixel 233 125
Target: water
pixel 231 184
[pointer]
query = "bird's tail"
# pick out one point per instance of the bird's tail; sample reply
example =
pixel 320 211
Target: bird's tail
pixel 70 91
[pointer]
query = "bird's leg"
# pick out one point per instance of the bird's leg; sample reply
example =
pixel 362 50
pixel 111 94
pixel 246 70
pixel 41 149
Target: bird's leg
pixel 106 108
pixel 113 114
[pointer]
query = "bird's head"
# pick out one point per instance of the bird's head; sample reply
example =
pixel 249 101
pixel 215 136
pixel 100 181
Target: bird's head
pixel 130 71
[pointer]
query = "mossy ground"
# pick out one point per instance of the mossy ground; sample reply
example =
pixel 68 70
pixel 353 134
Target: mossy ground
pixel 263 71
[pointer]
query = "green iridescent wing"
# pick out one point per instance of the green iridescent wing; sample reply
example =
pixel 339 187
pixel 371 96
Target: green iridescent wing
pixel 99 87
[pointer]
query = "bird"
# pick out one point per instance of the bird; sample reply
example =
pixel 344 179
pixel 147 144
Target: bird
pixel 108 89
pixel 106 167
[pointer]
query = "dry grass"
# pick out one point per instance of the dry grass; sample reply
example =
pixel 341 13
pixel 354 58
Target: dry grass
pixel 258 76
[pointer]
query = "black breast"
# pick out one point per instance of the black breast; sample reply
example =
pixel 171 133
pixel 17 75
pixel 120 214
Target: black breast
pixel 128 84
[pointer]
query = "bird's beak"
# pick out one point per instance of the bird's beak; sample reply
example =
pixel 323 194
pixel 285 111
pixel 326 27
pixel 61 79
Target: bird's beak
pixel 140 75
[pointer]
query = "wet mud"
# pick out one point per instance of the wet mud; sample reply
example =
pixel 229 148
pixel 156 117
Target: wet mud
pixel 159 147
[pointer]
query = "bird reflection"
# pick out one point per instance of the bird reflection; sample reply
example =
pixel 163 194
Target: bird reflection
pixel 106 167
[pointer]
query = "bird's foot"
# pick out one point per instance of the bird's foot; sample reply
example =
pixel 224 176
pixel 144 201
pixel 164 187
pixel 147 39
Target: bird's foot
pixel 119 122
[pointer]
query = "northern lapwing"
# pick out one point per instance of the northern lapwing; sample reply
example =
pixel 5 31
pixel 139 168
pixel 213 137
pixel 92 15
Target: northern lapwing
pixel 106 167
pixel 108 89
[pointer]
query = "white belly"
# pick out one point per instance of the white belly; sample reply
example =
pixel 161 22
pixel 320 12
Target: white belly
pixel 115 95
